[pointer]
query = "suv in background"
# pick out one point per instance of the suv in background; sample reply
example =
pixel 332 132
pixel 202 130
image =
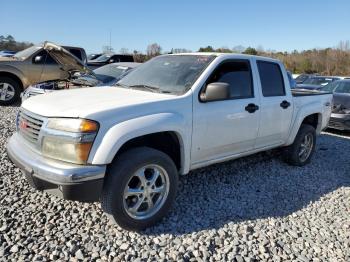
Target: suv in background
pixel 33 65
pixel 108 59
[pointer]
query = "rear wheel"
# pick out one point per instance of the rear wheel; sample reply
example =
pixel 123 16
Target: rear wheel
pixel 140 188
pixel 303 147
pixel 10 91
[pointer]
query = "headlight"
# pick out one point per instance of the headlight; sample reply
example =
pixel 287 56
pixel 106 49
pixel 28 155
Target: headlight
pixel 73 125
pixel 69 139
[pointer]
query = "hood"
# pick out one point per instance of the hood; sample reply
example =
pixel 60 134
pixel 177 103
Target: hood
pixel 89 102
pixel 65 59
pixel 341 103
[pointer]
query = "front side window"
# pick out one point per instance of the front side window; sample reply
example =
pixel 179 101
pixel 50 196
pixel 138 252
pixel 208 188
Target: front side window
pixel 167 74
pixel 238 75
pixel 45 58
pixel 272 82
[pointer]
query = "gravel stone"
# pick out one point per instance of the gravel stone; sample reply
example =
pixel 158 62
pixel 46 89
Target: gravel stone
pixel 252 209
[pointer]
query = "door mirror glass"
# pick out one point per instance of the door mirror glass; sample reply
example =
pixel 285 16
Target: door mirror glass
pixel 216 91
pixel 38 59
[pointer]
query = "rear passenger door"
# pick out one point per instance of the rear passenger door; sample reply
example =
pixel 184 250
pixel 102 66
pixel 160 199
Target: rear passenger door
pixel 276 105
pixel 226 127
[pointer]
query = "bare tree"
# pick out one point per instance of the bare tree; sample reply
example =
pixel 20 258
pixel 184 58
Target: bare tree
pixel 124 50
pixel 107 49
pixel 153 50
pixel 180 50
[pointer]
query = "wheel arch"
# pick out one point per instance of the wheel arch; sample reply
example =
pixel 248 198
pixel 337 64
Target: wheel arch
pixel 161 131
pixel 313 118
pixel 13 76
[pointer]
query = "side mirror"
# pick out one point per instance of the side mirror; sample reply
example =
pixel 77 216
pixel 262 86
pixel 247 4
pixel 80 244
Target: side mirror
pixel 38 59
pixel 216 91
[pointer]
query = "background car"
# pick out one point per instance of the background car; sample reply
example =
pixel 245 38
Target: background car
pixel 340 117
pixel 107 75
pixel 292 82
pixel 302 78
pixel 6 53
pixel 93 56
pixel 37 64
pixel 317 82
pixel 108 59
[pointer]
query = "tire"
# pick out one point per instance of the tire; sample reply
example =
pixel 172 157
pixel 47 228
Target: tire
pixel 292 152
pixel 121 175
pixel 8 85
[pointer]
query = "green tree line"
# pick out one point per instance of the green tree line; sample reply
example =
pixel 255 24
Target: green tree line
pixel 9 43
pixel 326 61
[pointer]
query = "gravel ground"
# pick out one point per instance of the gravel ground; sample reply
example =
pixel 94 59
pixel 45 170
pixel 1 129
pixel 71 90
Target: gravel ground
pixel 252 209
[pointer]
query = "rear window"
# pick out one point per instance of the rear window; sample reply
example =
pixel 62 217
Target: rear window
pixel 272 82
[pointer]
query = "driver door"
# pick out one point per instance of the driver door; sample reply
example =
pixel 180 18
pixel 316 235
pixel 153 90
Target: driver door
pixel 43 68
pixel 224 128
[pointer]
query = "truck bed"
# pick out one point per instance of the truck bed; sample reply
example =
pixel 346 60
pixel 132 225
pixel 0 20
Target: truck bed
pixel 305 92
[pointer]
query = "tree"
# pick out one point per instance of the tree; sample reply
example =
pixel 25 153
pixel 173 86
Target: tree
pixel 250 51
pixel 9 43
pixel 238 49
pixel 180 50
pixel 206 49
pixel 153 50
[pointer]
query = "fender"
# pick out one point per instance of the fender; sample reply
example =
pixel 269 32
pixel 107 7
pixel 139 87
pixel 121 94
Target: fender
pixel 8 69
pixel 305 111
pixel 111 140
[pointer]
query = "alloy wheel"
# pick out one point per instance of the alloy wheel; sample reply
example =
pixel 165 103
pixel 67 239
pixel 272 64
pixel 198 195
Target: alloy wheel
pixel 7 91
pixel 146 192
pixel 306 147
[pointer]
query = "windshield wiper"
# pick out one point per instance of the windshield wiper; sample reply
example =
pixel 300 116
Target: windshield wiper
pixel 150 88
pixel 122 85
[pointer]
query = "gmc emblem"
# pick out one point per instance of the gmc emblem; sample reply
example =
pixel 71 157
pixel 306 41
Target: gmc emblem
pixel 23 124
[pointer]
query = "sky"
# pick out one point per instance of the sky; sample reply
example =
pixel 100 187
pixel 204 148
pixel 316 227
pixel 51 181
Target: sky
pixel 272 24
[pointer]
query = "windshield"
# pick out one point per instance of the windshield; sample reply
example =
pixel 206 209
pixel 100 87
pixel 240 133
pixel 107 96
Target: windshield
pixel 102 58
pixel 318 81
pixel 27 52
pixel 110 72
pixel 301 78
pixel 330 87
pixel 168 74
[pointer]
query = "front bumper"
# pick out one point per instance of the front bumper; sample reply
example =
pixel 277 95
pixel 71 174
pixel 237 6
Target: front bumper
pixel 70 181
pixel 339 121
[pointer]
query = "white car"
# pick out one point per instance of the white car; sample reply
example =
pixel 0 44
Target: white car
pixel 126 146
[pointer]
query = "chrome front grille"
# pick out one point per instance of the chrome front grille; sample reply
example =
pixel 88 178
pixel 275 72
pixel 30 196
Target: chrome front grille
pixel 29 126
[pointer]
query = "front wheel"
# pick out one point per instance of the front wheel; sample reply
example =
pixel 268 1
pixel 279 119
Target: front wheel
pixel 10 91
pixel 140 188
pixel 300 152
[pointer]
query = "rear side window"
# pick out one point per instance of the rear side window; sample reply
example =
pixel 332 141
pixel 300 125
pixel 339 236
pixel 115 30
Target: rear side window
pixel 76 53
pixel 127 58
pixel 238 75
pixel 272 82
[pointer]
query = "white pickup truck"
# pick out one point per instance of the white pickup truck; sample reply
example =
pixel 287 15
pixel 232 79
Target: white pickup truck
pixel 126 145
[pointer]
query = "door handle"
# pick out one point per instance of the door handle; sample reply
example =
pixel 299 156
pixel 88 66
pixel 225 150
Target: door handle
pixel 251 108
pixel 285 104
